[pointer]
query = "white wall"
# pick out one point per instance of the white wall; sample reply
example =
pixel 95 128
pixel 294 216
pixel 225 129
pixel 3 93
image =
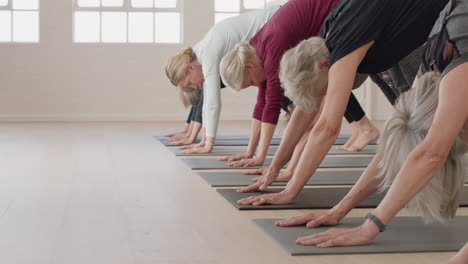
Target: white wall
pixel 60 80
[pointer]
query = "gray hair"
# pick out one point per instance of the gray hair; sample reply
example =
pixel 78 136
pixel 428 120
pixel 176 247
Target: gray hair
pixel 407 127
pixel 301 75
pixel 232 66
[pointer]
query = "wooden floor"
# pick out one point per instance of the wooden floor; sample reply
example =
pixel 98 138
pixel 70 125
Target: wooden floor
pixel 108 193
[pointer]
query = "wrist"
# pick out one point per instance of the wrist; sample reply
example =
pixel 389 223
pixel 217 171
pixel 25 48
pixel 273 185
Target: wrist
pixel 376 221
pixel 291 192
pixel 259 157
pixel 338 213
pixel 208 145
pixel 274 169
pixel 370 228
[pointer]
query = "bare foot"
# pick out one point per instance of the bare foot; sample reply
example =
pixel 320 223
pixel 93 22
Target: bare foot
pixel 354 136
pixel 367 133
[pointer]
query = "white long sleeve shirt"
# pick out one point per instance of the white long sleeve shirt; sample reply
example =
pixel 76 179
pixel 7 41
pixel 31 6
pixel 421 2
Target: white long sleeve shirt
pixel 222 38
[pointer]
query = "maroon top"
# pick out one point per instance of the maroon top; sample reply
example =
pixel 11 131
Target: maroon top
pixel 294 22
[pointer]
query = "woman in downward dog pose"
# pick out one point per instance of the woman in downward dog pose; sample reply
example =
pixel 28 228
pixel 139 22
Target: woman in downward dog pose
pixel 392 82
pixel 422 146
pixel 393 74
pixel 329 67
pixel 197 70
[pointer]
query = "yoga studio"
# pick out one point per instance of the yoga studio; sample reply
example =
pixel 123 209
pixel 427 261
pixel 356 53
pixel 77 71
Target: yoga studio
pixel 233 131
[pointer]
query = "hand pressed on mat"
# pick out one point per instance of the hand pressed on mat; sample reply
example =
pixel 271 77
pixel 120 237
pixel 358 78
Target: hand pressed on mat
pixel 262 182
pixel 257 171
pixel 184 141
pixel 311 220
pixel 177 136
pixel 192 146
pixel 230 158
pixel 282 197
pixel 362 235
pixel 199 150
pixel 255 161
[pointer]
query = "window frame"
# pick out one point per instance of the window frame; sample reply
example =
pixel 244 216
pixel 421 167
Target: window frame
pixel 242 9
pixel 127 8
pixel 9 7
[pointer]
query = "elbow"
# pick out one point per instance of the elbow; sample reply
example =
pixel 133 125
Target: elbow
pixel 326 130
pixel 433 158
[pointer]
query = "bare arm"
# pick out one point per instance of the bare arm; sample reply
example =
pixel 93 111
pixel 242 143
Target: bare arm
pixel 298 125
pixel 205 146
pixel 266 133
pixel 430 155
pixel 325 132
pixel 421 164
pixel 366 185
pixel 308 120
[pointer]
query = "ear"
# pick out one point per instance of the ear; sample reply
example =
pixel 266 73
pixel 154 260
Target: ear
pixel 323 64
pixel 249 65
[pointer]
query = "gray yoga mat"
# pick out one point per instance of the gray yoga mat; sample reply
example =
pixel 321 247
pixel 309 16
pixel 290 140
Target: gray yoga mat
pixel 247 137
pixel 229 142
pixel 328 162
pixel 233 150
pixel 245 142
pixel 312 198
pixel 308 198
pixel 237 179
pixel 403 235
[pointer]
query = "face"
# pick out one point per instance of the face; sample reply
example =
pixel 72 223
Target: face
pixel 194 78
pixel 255 74
pixel 324 89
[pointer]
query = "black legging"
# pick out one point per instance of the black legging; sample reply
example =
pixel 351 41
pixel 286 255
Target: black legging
pixel 354 110
pixel 192 110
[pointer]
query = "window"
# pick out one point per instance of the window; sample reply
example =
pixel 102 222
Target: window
pixel 230 8
pixel 127 21
pixel 19 21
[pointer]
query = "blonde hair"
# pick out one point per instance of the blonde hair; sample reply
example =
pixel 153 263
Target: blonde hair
pixel 176 67
pixel 301 75
pixel 232 66
pixel 407 127
pixel 176 71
